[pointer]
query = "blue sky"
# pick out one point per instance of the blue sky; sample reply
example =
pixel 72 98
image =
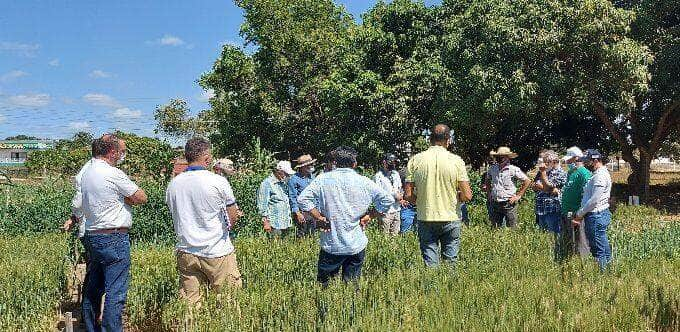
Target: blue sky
pixel 98 66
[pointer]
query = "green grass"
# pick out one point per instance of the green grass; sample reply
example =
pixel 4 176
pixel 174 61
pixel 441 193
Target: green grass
pixel 32 278
pixel 505 281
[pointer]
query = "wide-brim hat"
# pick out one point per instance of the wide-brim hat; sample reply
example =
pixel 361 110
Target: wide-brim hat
pixel 504 151
pixel 304 160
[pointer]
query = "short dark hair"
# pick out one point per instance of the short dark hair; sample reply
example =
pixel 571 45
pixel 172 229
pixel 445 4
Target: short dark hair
pixel 96 147
pixel 195 148
pixel 345 156
pixel 108 143
pixel 440 133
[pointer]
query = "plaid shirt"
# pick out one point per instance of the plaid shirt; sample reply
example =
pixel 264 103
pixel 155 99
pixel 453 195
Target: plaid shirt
pixel 547 203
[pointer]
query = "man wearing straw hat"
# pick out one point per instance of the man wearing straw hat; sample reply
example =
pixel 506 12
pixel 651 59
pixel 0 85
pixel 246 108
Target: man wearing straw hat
pixel 296 184
pixel 500 179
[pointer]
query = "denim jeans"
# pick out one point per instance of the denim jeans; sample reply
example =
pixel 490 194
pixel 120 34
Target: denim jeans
pixel 408 215
pixel 550 222
pixel 107 272
pixel 596 231
pixel 329 266
pixel 464 215
pixel 436 235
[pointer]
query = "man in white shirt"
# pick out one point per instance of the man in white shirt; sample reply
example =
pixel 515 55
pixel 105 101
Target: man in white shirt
pixel 594 211
pixel 202 205
pixel 107 197
pixel 389 180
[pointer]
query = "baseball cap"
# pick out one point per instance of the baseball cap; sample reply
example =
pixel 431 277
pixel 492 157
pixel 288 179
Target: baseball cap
pixel 284 166
pixel 572 152
pixel 591 154
pixel 224 164
pixel 390 158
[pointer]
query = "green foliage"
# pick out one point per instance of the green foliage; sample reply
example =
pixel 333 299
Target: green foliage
pixel 32 277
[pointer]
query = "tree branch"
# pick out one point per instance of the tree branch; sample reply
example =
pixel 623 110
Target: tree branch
pixel 626 149
pixel 667 121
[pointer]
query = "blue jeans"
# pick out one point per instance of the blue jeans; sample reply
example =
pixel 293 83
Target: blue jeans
pixel 596 232
pixel 550 222
pixel 329 266
pixel 432 235
pixel 464 214
pixel 408 215
pixel 108 271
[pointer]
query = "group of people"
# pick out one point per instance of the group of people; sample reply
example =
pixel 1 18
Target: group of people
pixel 337 204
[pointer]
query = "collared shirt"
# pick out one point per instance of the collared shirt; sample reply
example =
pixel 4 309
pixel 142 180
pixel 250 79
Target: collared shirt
pixel 296 184
pixel 197 201
pixel 272 202
pixel 343 197
pixel 390 182
pixel 596 192
pixel 104 189
pixel 435 174
pixel 503 181
pixel 572 193
pixel 77 201
pixel 547 203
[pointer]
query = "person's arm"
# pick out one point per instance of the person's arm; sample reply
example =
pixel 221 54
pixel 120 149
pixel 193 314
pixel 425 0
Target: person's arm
pixel 465 194
pixel 293 198
pixel 263 204
pixel 599 189
pixel 382 200
pixel 409 194
pixel 307 203
pixel 545 182
pixel 234 213
pixel 138 198
pixel 525 185
pixel 132 194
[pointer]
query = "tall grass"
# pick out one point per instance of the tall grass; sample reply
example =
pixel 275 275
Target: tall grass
pixel 32 279
pixel 505 280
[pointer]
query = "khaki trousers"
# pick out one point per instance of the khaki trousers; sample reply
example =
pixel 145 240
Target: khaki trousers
pixel 390 223
pixel 195 271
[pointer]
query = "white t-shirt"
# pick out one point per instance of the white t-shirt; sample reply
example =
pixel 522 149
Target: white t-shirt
pixel 77 201
pixel 104 189
pixel 197 201
pixel 392 184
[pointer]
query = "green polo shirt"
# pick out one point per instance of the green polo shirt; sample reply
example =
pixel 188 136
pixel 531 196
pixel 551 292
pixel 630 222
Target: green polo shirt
pixel 435 174
pixel 572 192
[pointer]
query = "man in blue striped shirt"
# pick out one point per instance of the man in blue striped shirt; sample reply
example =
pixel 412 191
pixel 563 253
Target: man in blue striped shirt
pixel 339 201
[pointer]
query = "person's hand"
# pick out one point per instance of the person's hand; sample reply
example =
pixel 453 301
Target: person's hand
pixel 576 221
pixel 323 224
pixel 404 203
pixel 399 197
pixel 363 222
pixel 299 217
pixel 514 199
pixel 67 224
pixel 555 192
pixel 266 225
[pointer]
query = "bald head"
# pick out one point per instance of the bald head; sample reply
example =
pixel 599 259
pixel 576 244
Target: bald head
pixel 440 135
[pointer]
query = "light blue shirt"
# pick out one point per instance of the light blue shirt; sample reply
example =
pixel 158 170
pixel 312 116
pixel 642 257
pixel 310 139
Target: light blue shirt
pixel 272 202
pixel 343 197
pixel 596 193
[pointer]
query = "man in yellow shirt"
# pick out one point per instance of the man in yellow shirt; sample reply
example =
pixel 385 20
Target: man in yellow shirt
pixel 440 181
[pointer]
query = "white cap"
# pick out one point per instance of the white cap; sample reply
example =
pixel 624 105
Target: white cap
pixel 224 164
pixel 572 152
pixel 284 166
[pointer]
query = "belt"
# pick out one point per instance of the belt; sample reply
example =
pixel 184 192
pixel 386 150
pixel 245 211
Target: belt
pixel 595 212
pixel 109 230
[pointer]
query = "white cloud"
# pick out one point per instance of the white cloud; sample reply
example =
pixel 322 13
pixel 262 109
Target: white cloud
pixel 79 126
pixel 206 95
pixel 27 50
pixel 30 100
pixel 99 74
pixel 100 99
pixel 126 113
pixel 170 40
pixel 14 74
pixel 54 63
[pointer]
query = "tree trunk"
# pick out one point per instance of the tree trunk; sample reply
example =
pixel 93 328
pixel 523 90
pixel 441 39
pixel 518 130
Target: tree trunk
pixel 638 181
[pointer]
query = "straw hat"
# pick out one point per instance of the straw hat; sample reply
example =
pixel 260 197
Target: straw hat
pixel 304 160
pixel 504 151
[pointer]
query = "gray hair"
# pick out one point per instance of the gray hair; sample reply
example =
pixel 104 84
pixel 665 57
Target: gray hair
pixel 549 155
pixel 195 148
